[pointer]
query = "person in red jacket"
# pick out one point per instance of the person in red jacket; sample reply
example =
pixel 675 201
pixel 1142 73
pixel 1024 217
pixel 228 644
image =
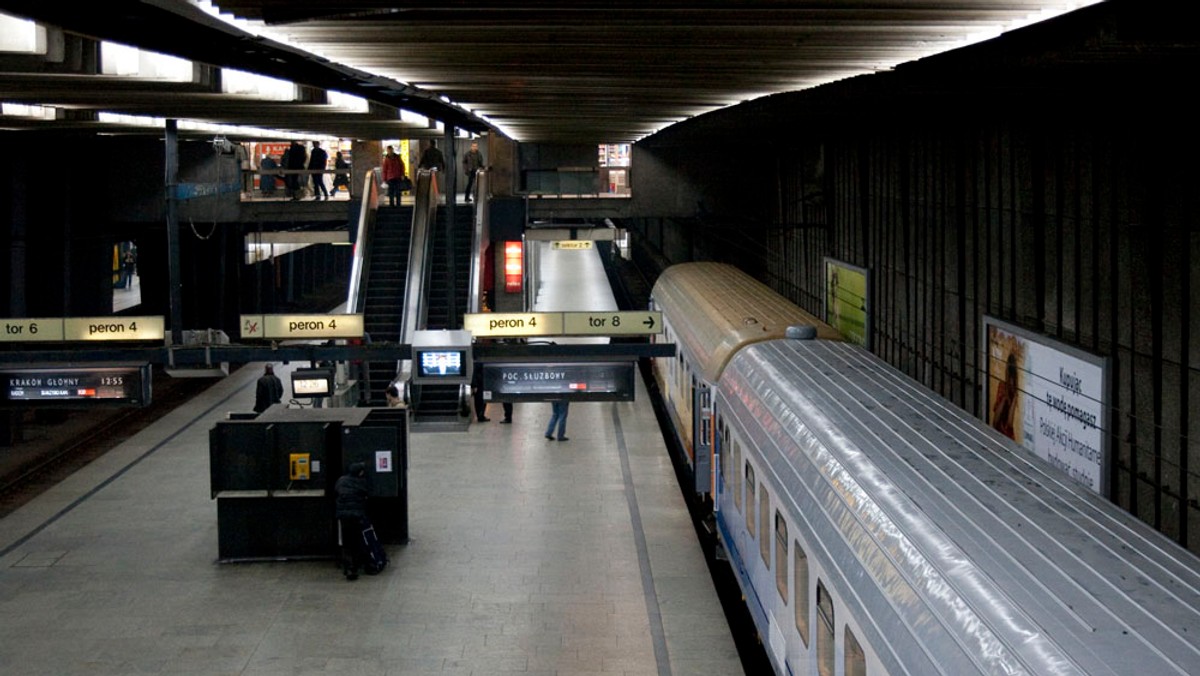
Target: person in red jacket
pixel 393 174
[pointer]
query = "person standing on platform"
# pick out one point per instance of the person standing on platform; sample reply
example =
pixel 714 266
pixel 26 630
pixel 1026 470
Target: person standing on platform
pixel 472 162
pixel 266 181
pixel 295 159
pixel 268 391
pixel 558 416
pixel 317 160
pixel 342 178
pixel 393 175
pixel 432 158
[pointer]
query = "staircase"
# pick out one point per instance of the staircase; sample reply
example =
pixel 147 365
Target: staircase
pixel 386 276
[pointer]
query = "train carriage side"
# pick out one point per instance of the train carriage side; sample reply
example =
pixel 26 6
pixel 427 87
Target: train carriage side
pixel 876 529
pixel 711 310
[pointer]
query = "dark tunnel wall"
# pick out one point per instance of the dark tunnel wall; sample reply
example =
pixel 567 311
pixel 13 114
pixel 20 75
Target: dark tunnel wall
pixel 1049 187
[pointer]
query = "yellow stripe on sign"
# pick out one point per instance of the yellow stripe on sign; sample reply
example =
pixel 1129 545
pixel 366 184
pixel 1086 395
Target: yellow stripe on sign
pixel 113 328
pixel 485 324
pixel 31 330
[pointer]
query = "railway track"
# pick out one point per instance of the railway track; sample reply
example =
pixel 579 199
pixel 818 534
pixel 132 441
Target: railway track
pixel 65 449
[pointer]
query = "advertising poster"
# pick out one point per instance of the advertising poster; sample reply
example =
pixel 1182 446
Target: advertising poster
pixel 1050 398
pixel 846 304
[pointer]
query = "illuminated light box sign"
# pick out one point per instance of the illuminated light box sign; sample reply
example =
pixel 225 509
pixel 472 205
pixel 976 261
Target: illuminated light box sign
pixel 90 329
pixel 847 305
pixel 68 385
pixel 1051 398
pixel 572 381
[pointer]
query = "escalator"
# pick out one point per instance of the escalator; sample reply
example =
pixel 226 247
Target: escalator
pixel 445 306
pixel 386 277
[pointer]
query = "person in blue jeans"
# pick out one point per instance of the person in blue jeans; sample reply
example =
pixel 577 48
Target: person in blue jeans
pixel 558 417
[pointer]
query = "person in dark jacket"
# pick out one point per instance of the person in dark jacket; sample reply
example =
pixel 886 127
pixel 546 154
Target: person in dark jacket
pixel 350 508
pixel 317 160
pixel 432 158
pixel 472 162
pixel 296 158
pixel 268 391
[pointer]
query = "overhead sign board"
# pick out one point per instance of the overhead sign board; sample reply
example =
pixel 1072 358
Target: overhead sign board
pixel 297 327
pixel 113 328
pixel 603 323
pixel 611 323
pixel 514 323
pixel 42 384
pixel 59 329
pixel 570 381
pixel 31 330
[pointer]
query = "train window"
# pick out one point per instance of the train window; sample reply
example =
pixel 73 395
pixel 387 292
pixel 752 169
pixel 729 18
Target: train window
pixel 764 510
pixel 825 657
pixel 750 499
pixel 737 476
pixel 781 542
pixel 856 659
pixel 800 563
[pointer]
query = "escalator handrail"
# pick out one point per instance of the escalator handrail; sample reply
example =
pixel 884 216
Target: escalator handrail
pixel 357 292
pixel 479 240
pixel 419 255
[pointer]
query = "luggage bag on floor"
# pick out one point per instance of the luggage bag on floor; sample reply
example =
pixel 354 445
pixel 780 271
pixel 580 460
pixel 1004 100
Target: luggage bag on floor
pixel 377 559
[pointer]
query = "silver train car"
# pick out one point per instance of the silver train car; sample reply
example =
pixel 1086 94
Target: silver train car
pixel 875 529
pixel 710 311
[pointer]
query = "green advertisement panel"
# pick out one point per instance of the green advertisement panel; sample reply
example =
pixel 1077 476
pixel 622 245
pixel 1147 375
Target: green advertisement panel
pixel 847 307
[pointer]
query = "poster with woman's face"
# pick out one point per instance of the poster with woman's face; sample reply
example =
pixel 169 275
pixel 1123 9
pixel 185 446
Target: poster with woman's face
pixel 1006 382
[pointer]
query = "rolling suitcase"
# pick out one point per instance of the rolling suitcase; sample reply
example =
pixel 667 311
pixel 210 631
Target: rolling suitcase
pixel 376 558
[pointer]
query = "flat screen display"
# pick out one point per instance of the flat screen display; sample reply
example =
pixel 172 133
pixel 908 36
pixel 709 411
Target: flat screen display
pixel 312 382
pixel 78 385
pixel 440 363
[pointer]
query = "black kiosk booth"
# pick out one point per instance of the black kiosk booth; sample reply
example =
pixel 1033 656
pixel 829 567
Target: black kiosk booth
pixel 273 476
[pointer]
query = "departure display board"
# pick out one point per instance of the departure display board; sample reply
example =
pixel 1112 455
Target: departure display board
pixel 574 381
pixel 49 384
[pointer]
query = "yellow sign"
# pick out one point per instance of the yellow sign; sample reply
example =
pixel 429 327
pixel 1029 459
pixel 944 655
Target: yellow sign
pixel 30 330
pixel 295 327
pixel 113 328
pixel 611 323
pixel 572 244
pixel 514 324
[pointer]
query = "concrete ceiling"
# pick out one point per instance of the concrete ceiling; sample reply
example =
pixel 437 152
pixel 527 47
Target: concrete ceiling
pixel 534 70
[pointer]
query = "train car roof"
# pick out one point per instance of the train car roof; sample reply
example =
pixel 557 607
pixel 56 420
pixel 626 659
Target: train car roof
pixel 715 309
pixel 1028 571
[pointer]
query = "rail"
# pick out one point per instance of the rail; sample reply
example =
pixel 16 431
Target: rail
pixel 479 238
pixel 357 291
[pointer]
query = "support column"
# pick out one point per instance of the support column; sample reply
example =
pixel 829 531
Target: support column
pixel 175 323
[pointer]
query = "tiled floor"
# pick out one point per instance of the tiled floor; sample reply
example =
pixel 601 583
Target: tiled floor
pixel 527 556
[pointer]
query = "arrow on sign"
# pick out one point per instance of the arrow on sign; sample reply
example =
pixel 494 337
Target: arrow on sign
pixel 649 323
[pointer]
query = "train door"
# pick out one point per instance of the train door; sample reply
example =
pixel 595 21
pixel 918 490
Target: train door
pixel 702 433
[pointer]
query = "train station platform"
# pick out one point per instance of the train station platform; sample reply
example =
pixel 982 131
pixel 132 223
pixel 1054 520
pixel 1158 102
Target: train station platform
pixel 527 556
